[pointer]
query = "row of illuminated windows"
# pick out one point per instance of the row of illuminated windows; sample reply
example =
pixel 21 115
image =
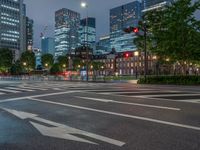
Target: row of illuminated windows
pixel 9 19
pixel 13 32
pixel 9 39
pixel 8 23
pixel 10 35
pixel 11 8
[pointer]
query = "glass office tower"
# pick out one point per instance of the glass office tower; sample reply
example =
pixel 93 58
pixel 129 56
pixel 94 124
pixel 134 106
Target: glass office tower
pixel 122 17
pixel 12 26
pixel 67 24
pixel 90 25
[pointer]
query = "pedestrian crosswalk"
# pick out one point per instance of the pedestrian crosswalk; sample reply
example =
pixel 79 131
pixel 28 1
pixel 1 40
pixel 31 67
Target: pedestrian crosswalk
pixel 34 87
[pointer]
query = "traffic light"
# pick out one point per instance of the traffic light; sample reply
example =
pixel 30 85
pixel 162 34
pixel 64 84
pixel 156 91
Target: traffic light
pixel 135 30
pixel 126 55
pixel 131 29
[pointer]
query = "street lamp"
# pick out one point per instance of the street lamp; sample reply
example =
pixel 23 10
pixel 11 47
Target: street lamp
pixel 136 54
pixel 85 5
pixel 24 64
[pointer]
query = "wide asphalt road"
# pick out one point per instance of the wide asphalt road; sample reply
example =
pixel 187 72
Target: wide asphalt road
pixel 98 116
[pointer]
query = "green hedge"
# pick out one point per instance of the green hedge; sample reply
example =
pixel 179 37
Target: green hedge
pixel 177 80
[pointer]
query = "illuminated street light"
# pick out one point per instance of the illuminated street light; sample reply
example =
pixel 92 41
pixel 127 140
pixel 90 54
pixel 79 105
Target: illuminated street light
pixel 136 53
pixel 24 64
pixel 83 4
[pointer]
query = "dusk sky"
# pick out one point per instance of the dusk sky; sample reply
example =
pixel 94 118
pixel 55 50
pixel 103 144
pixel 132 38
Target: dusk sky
pixel 42 12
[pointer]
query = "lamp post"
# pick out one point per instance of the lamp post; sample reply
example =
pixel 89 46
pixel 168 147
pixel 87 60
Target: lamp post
pixel 136 54
pixel 85 5
pixel 145 51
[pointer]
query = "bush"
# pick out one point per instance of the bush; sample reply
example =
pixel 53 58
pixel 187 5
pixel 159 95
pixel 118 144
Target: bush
pixel 177 80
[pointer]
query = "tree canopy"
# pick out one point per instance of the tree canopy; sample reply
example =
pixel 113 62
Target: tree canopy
pixel 28 60
pixel 47 60
pixel 173 31
pixel 6 59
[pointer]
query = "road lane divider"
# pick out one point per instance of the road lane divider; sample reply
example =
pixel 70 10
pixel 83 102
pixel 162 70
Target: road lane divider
pixel 127 103
pixel 120 114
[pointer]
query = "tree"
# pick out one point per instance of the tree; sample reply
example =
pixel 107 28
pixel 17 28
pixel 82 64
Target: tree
pixel 174 32
pixel 6 59
pixel 16 68
pixel 27 60
pixel 78 63
pixel 55 69
pixel 47 60
pixel 62 60
pixel 178 33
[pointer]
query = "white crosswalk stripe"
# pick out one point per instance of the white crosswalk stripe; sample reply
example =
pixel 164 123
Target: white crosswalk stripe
pixel 10 91
pixel 20 89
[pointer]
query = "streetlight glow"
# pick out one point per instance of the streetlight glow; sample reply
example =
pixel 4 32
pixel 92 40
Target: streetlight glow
pixel 83 4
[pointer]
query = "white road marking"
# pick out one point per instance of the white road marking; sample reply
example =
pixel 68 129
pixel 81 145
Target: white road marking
pixel 94 99
pixel 127 103
pixel 36 96
pixel 160 99
pixel 191 100
pixel 60 130
pixel 168 95
pixel 121 115
pixel 34 88
pixel 21 89
pixel 10 91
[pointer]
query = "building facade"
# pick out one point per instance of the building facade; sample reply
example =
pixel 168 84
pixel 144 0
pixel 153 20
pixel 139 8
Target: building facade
pixel 12 26
pixel 67 24
pixel 48 45
pixel 104 43
pixel 29 34
pixel 122 17
pixel 87 32
pixel 154 4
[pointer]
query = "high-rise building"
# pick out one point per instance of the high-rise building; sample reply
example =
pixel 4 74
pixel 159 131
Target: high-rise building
pixel 122 17
pixel 104 43
pixel 12 26
pixel 88 32
pixel 153 4
pixel 48 45
pixel 29 34
pixel 67 24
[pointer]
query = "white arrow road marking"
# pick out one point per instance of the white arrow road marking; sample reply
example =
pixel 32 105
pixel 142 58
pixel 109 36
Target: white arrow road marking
pixel 127 103
pixel 58 132
pixel 120 114
pixel 61 131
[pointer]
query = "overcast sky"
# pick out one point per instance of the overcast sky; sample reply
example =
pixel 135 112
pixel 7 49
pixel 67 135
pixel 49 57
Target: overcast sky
pixel 42 12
